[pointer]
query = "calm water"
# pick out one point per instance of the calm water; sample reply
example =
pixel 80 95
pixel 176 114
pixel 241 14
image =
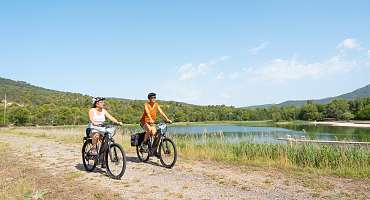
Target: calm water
pixel 234 133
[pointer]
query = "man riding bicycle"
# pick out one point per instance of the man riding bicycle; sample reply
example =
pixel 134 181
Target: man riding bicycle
pixel 149 116
pixel 97 115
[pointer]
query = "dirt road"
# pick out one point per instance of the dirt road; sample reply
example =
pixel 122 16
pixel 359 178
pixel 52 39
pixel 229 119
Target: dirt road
pixel 187 180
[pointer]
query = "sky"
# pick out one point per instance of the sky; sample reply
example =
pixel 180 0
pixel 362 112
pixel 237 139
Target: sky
pixel 207 52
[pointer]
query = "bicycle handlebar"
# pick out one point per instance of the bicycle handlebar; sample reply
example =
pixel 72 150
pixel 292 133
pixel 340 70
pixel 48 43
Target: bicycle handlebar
pixel 105 125
pixel 157 123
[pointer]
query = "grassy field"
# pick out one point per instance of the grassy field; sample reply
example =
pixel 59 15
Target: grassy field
pixel 328 160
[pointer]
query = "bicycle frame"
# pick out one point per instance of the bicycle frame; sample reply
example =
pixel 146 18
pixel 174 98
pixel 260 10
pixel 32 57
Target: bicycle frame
pixel 160 135
pixel 105 145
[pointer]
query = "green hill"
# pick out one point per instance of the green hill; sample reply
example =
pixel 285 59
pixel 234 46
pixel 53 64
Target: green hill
pixel 44 106
pixel 26 94
pixel 363 92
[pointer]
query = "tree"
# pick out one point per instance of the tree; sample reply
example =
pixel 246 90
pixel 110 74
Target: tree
pixel 276 114
pixel 19 116
pixel 337 109
pixel 310 112
pixel 290 113
pixel 364 113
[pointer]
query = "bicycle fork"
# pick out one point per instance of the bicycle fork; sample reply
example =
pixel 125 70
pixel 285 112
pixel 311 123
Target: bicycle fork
pixel 114 157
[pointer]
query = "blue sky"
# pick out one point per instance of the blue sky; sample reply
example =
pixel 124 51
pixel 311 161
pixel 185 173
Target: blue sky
pixel 203 52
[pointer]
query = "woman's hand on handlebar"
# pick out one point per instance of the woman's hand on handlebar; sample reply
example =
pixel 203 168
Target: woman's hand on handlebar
pixel 169 121
pixel 119 123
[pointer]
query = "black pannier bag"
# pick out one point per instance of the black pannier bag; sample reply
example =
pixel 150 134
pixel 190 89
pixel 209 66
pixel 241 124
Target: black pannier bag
pixel 88 131
pixel 137 139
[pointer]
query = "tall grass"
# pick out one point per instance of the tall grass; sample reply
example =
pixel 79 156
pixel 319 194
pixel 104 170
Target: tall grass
pixel 338 160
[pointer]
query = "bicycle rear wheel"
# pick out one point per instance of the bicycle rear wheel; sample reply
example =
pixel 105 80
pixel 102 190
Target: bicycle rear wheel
pixel 167 153
pixel 88 160
pixel 115 160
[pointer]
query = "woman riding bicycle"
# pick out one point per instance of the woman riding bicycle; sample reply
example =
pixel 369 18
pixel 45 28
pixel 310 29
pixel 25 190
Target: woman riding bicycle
pixel 97 115
pixel 149 116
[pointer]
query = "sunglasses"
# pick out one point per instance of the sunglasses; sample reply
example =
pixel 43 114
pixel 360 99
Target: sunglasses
pixel 153 97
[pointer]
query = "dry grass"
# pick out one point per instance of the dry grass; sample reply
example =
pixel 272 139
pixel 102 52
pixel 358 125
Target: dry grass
pixel 70 176
pixel 23 181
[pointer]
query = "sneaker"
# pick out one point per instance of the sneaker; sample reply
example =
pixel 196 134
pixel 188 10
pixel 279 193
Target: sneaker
pixel 144 146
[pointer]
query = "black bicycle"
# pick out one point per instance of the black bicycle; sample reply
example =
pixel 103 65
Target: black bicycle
pixel 110 154
pixel 160 146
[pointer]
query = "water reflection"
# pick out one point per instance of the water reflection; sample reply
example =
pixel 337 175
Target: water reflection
pixel 236 133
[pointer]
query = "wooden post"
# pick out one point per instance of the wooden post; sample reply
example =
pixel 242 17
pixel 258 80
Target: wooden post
pixel 5 104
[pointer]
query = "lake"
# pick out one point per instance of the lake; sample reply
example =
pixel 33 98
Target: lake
pixel 267 134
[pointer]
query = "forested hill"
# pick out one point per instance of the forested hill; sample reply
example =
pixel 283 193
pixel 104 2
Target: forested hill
pixel 23 93
pixel 363 92
pixel 37 105
pixel 32 105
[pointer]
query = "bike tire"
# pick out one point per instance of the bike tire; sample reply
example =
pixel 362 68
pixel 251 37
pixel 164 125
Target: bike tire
pixel 85 157
pixel 167 141
pixel 141 157
pixel 117 149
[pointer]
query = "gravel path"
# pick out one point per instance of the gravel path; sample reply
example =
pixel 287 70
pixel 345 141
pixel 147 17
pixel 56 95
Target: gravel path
pixel 187 180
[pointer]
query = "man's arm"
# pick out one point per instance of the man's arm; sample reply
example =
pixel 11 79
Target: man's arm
pixel 163 114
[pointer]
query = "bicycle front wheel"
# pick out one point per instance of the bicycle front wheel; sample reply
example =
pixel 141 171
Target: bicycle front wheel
pixel 115 159
pixel 167 153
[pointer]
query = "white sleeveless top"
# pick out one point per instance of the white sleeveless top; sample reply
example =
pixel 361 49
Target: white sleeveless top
pixel 97 117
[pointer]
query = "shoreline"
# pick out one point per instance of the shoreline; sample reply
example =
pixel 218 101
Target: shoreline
pixel 344 124
pixel 354 124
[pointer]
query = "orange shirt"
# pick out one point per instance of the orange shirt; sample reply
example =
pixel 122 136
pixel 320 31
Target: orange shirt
pixel 152 112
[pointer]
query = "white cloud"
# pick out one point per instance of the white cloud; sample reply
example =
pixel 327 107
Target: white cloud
pixel 259 48
pixel 233 75
pixel 247 70
pixel 220 76
pixel 349 43
pixel 292 69
pixel 224 58
pixel 190 71
pixel 187 71
pixel 181 91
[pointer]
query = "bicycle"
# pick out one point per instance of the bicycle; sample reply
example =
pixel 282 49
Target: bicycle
pixel 160 146
pixel 110 154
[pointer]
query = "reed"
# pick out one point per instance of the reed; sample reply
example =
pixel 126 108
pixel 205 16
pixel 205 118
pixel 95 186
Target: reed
pixel 337 160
